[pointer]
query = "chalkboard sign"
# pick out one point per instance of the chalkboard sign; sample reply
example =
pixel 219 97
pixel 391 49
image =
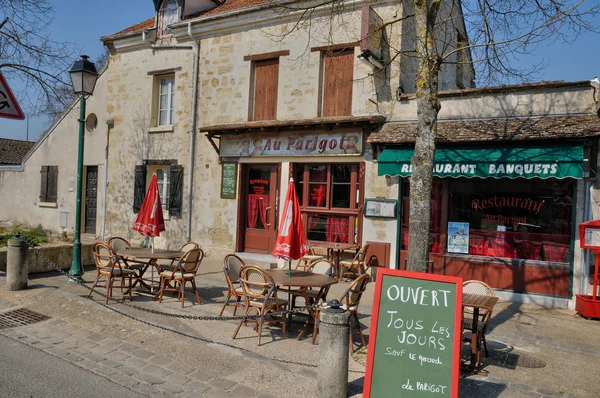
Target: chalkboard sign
pixel 414 349
pixel 228 180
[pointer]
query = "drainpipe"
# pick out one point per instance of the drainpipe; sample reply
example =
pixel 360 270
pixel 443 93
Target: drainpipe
pixel 587 215
pixel 110 123
pixel 193 130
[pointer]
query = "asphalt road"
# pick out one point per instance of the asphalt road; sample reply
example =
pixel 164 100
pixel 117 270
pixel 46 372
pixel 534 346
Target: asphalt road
pixel 27 372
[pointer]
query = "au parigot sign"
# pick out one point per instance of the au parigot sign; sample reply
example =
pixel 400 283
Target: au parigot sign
pixel 291 144
pixel 416 324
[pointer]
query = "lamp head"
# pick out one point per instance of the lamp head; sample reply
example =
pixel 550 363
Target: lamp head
pixel 83 76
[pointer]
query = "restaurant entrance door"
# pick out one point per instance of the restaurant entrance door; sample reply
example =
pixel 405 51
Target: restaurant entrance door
pixel 259 210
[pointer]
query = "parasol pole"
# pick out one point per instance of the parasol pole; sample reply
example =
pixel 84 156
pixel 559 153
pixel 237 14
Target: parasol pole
pixel 152 284
pixel 289 268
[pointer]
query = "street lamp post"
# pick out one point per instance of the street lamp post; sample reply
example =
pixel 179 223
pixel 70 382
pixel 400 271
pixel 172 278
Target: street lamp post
pixel 83 77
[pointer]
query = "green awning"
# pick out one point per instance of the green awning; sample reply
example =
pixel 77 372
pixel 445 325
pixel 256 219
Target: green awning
pixel 512 162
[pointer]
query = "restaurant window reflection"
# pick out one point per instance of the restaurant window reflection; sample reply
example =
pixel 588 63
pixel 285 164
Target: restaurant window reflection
pixel 515 219
pixel 435 215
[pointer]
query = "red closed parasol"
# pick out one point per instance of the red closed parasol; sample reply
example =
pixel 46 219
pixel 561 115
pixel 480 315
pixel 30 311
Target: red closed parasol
pixel 291 242
pixel 150 220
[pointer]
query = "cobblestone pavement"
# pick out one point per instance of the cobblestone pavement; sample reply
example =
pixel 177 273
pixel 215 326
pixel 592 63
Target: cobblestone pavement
pixel 138 368
pixel 184 358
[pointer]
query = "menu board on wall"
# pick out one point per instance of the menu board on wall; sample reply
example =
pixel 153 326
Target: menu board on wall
pixel 416 333
pixel 458 237
pixel 228 180
pixel 385 208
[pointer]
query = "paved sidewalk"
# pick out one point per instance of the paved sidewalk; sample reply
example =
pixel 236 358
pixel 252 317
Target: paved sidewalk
pixel 534 351
pixel 147 360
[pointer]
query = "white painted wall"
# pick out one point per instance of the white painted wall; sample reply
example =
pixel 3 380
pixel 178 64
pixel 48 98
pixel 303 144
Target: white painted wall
pixel 20 190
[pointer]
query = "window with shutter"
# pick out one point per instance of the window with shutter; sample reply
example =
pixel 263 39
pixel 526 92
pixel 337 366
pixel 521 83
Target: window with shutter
pixel 49 184
pixel 139 187
pixel 52 184
pixel 266 77
pixel 336 88
pixel 43 183
pixel 176 190
pixel 169 177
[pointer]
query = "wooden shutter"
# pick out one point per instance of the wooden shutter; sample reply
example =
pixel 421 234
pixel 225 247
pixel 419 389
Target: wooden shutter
pixel 175 190
pixel 52 188
pixel 44 184
pixel 139 187
pixel 266 77
pixel 338 77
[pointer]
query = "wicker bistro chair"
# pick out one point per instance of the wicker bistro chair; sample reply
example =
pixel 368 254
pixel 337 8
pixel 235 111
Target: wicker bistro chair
pixel 260 295
pixel 109 268
pixel 350 301
pixel 323 267
pixel 358 263
pixel 185 270
pixel 305 261
pixel 168 265
pixel 232 266
pixel 117 244
pixel 478 287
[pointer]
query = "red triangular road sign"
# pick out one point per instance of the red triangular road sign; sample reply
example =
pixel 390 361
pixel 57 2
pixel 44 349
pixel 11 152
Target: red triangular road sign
pixel 8 104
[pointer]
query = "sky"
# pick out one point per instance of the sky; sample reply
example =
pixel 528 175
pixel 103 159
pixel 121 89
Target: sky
pixel 84 22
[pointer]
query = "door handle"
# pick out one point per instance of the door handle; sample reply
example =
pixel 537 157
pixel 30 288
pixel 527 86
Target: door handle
pixel 267 210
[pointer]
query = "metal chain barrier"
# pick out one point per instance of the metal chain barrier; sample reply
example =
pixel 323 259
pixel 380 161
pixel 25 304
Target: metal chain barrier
pixel 192 317
pixel 156 312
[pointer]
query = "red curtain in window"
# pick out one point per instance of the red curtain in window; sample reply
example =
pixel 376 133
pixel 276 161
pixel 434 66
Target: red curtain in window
pixel 337 229
pixel 318 196
pixel 555 251
pixel 257 206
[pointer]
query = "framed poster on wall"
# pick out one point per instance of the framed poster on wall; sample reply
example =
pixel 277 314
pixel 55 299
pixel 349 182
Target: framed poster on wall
pixel 228 180
pixel 458 237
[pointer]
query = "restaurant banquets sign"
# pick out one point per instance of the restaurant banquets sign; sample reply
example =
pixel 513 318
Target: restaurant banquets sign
pixel 291 144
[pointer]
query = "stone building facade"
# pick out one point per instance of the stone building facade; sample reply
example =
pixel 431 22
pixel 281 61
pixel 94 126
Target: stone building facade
pixel 245 70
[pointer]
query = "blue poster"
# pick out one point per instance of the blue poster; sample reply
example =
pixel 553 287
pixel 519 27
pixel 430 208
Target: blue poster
pixel 458 237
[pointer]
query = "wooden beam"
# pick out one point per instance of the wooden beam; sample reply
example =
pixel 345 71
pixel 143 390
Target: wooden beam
pixel 210 139
pixel 335 47
pixel 264 56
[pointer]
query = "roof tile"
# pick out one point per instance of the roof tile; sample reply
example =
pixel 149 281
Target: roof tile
pixel 13 151
pixel 513 129
pixel 148 23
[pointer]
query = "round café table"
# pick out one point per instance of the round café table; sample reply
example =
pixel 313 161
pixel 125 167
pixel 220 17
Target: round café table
pixel 302 282
pixel 151 258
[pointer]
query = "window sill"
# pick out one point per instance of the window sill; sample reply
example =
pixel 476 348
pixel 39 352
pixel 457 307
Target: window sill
pixel 48 204
pixel 161 129
pixel 507 261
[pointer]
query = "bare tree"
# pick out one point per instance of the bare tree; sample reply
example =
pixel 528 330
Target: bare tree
pixel 487 36
pixel 29 56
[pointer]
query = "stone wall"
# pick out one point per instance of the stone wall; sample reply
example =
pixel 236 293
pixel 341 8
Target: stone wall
pixel 60 254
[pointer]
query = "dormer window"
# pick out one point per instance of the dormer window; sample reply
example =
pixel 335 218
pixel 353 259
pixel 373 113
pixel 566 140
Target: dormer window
pixel 167 15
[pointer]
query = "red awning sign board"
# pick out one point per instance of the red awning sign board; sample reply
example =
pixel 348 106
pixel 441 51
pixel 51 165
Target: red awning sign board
pixel 9 108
